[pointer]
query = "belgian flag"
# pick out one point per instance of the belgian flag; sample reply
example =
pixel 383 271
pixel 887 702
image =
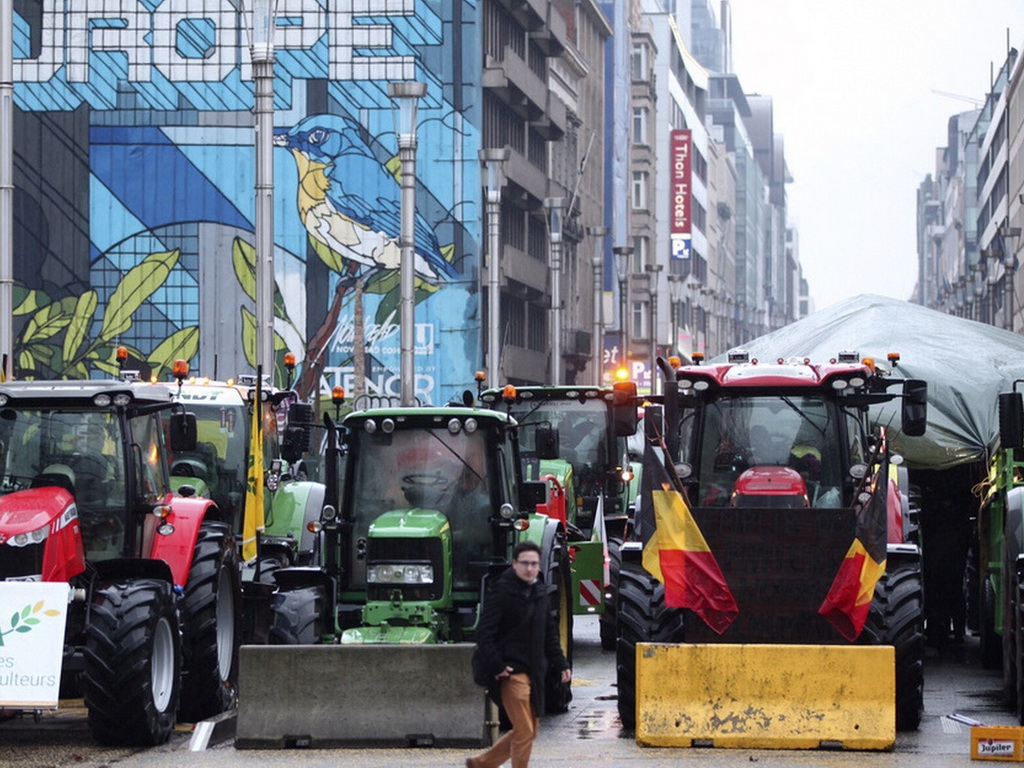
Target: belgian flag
pixel 675 552
pixel 849 599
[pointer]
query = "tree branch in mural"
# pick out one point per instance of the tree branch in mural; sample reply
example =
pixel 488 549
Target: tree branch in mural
pixel 40 353
pixel 243 259
pixel 348 202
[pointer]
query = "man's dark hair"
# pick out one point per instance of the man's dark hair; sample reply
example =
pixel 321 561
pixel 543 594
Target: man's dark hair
pixel 525 546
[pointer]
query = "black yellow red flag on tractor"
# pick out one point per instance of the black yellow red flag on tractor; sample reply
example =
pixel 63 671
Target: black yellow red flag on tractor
pixel 675 551
pixel 849 599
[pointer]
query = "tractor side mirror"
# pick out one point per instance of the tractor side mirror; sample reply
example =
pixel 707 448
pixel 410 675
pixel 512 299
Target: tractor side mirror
pixel 914 414
pixel 294 444
pixel 547 442
pixel 532 493
pixel 183 431
pixel 1011 420
pixel 624 418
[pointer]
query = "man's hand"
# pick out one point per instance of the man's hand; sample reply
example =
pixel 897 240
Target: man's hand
pixel 506 672
pixel 566 675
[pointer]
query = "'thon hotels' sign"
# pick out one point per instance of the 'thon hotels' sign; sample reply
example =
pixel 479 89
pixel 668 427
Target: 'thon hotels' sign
pixel 680 215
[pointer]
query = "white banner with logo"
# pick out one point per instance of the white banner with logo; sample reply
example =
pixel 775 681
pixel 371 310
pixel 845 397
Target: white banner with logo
pixel 32 618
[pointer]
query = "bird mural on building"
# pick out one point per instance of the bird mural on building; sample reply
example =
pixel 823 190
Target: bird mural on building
pixel 349 204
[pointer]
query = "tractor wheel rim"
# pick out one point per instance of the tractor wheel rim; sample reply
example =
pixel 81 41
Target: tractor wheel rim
pixel 162 665
pixel 225 624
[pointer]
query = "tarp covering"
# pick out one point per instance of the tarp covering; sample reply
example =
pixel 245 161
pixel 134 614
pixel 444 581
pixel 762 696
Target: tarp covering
pixel 966 364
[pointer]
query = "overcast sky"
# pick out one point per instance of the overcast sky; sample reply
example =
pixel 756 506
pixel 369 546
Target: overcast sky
pixel 854 91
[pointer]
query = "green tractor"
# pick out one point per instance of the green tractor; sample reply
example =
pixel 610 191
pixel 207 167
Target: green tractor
pixel 587 428
pixel 216 468
pixel 999 556
pixel 423 508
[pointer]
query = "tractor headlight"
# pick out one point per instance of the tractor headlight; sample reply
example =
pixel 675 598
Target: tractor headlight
pixel 32 537
pixel 400 573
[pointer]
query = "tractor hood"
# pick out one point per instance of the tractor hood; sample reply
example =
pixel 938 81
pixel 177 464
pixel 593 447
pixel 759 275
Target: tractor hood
pixel 24 512
pixel 409 523
pixel 966 364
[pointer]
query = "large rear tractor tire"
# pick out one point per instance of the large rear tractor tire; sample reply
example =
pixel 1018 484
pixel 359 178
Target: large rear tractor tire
pixel 213 625
pixel 896 618
pixel 132 663
pixel 558 576
pixel 609 618
pixel 642 618
pixel 297 616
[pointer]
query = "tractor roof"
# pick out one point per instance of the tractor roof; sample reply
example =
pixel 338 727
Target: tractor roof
pixel 493 397
pixel 76 393
pixel 431 417
pixel 780 373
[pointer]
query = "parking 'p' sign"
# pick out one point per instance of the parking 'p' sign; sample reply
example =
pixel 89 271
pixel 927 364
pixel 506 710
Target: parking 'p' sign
pixel 32 618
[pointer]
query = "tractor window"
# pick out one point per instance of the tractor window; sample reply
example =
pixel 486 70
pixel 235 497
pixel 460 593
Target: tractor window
pixel 428 469
pixel 796 430
pixel 152 477
pixel 217 467
pixel 582 430
pixel 78 450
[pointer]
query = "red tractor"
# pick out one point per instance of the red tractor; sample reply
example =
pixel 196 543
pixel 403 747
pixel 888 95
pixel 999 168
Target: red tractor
pixel 153 611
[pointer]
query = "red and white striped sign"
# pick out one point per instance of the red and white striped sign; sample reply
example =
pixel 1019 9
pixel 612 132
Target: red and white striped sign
pixel 590 592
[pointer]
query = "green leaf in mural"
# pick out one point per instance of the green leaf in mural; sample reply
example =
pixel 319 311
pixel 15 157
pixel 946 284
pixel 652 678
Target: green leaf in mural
pixel 46 323
pixel 44 353
pixel 249 336
pixel 183 343
pixel 81 317
pixel 135 287
pixel 243 259
pixel 28 300
pixel 26 360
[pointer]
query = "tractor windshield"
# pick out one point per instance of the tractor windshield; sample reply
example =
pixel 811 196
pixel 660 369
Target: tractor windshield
pixel 582 430
pixel 78 450
pixel 797 431
pixel 218 462
pixel 429 469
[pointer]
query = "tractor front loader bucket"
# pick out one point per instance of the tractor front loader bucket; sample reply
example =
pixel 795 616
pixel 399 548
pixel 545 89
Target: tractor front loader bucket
pixel 359 695
pixel 765 696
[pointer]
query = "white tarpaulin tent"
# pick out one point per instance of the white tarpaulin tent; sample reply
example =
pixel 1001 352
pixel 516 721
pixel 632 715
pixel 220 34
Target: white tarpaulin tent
pixel 966 364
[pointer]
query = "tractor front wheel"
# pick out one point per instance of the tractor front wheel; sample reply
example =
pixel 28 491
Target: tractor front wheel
pixel 132 663
pixel 213 625
pixel 896 618
pixel 642 618
pixel 297 616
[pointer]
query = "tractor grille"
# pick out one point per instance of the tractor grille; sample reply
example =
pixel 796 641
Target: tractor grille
pixel 407 551
pixel 18 562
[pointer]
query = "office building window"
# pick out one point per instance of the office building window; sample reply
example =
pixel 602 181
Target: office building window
pixel 640 190
pixel 639 125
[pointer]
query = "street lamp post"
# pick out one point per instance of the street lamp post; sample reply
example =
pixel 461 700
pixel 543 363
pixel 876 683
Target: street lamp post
pixel 597 340
pixel 407 93
pixel 692 284
pixel 653 270
pixel 264 22
pixel 6 188
pixel 554 207
pixel 1010 265
pixel 623 254
pixel 494 161
pixel 675 294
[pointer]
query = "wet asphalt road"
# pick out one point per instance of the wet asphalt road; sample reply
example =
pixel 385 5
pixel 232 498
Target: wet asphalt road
pixel 588 735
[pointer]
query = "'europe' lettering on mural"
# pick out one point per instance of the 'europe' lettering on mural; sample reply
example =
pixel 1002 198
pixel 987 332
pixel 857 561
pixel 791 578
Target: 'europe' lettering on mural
pixel 186 41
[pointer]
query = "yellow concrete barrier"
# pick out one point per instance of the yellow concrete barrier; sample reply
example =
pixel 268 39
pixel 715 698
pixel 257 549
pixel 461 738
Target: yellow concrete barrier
pixel 765 696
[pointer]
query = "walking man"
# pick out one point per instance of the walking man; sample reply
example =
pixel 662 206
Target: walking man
pixel 518 639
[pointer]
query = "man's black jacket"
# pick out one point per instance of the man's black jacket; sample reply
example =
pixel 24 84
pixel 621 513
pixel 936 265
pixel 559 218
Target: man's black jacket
pixel 518 630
